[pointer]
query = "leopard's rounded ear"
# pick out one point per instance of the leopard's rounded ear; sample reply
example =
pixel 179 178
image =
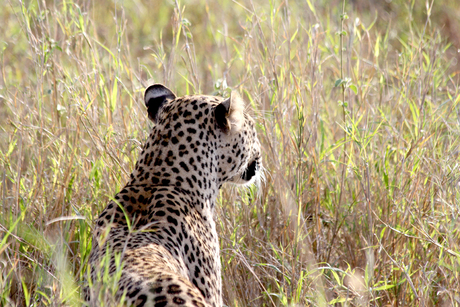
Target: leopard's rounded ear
pixel 155 97
pixel 229 113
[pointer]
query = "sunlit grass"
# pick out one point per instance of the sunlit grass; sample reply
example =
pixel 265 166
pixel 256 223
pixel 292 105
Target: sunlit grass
pixel 356 107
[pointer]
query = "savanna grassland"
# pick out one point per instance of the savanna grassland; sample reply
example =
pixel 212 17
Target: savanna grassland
pixel 357 108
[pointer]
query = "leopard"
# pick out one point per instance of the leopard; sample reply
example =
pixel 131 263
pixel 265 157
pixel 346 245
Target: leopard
pixel 158 234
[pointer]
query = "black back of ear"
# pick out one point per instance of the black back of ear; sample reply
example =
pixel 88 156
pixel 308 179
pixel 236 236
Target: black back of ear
pixel 221 114
pixel 155 97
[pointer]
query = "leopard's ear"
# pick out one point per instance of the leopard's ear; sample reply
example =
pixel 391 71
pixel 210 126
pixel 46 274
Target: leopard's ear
pixel 229 113
pixel 155 97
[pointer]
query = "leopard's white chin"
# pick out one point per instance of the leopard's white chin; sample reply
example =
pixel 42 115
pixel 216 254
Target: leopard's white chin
pixel 252 174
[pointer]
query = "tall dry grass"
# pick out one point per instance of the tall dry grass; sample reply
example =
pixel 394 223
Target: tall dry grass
pixel 357 110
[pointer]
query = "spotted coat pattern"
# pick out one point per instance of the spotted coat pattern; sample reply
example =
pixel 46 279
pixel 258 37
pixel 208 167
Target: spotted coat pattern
pixel 158 234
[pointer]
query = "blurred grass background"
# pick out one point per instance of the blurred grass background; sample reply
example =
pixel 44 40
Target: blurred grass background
pixel 357 106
